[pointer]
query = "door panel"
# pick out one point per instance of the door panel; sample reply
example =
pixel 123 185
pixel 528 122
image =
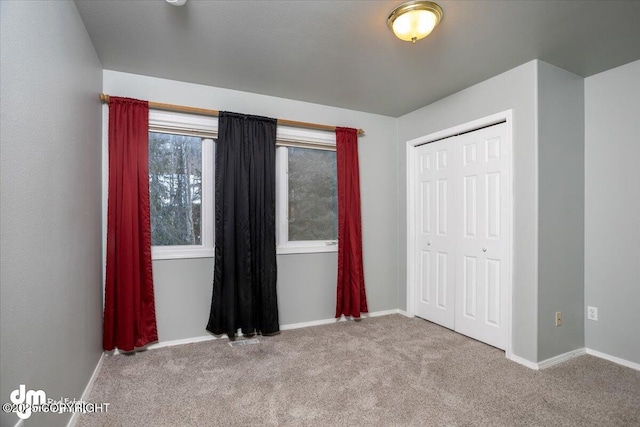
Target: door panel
pixel 442 207
pixel 425 204
pixel 470 206
pixel 425 276
pixel 443 283
pixel 492 201
pixel 493 292
pixel 470 286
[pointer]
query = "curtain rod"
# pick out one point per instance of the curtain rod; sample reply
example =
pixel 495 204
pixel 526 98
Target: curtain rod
pixel 206 112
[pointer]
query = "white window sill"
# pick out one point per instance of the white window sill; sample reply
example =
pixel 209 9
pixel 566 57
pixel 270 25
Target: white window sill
pixel 287 250
pixel 160 253
pixel 177 252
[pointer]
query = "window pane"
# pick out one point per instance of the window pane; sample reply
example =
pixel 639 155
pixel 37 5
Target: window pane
pixel 175 189
pixel 313 202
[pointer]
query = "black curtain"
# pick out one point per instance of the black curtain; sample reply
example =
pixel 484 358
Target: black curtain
pixel 244 280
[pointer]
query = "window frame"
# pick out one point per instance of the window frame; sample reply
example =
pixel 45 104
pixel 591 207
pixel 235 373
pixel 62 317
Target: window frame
pixel 296 138
pixel 206 128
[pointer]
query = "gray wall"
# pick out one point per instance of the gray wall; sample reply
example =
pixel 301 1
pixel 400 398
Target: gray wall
pixel 612 210
pixel 515 89
pixel 561 210
pixel 50 273
pixel 306 282
pixel 306 291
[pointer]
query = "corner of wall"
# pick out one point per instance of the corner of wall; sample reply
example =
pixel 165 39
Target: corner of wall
pixel 560 185
pixel 611 212
pixel 402 301
pixel 50 247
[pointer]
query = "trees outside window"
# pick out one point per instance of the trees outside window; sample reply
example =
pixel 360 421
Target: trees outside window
pixel 175 189
pixel 313 195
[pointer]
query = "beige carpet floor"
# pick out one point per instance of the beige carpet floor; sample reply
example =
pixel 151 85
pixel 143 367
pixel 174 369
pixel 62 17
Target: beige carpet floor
pixel 384 371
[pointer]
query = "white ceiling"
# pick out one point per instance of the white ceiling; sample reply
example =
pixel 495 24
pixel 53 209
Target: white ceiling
pixel 341 53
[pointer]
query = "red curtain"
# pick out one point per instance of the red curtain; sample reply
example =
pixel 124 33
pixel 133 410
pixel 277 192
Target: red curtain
pixel 351 298
pixel 129 309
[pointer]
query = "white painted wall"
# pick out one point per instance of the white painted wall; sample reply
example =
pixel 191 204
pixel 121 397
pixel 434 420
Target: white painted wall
pixel 50 273
pixel 612 211
pixel 306 282
pixel 515 89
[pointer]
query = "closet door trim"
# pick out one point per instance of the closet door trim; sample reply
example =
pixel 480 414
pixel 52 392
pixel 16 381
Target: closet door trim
pixel 504 116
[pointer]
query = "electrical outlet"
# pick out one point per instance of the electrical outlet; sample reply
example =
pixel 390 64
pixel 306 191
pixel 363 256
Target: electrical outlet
pixel 558 318
pixel 592 313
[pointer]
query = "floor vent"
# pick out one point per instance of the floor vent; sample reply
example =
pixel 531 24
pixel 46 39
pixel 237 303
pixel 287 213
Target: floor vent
pixel 244 342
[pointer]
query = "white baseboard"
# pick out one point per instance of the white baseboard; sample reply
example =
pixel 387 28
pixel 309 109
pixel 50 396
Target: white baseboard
pixel 287 327
pixel 87 390
pixel 570 355
pixel 341 319
pixel 311 323
pixel 171 343
pixel 614 359
pixel 381 313
pixel 548 362
pixel 561 358
pixel 524 362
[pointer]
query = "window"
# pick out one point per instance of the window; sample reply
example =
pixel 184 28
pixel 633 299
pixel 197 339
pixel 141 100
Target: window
pixel 181 187
pixel 307 198
pixel 175 187
pixel 181 151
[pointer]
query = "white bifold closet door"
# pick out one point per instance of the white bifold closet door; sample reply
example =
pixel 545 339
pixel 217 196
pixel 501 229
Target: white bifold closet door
pixel 462 240
pixel 436 241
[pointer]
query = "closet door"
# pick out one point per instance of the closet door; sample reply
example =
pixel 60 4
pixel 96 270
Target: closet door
pixel 435 227
pixel 482 240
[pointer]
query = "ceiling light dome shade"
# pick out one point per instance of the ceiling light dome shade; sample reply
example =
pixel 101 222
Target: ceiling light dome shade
pixel 414 20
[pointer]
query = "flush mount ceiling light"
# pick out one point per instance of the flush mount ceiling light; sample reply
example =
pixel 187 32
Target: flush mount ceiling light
pixel 414 20
pixel 176 2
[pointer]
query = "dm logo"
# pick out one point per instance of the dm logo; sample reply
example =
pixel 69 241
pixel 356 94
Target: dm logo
pixel 26 400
